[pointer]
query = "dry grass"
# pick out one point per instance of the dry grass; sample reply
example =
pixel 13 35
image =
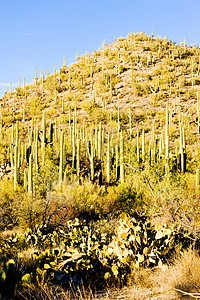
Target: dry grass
pixel 184 276
pixel 179 280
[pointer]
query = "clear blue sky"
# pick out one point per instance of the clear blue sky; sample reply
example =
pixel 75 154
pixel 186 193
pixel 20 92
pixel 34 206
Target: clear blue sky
pixel 39 33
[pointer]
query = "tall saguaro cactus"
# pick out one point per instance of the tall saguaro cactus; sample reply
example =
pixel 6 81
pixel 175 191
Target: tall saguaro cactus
pixel 122 175
pixel 167 132
pixel 61 160
pixel 108 159
pixel 182 151
pixel 92 161
pixel 16 158
pixel 30 175
pixel 100 142
pixel 43 131
pixel 78 158
pixel 138 147
pixel 143 145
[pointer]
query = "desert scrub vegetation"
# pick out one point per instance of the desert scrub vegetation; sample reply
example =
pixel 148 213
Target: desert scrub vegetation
pixel 100 170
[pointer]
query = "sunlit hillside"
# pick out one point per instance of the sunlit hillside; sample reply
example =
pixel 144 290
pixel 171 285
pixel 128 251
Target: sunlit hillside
pixel 99 167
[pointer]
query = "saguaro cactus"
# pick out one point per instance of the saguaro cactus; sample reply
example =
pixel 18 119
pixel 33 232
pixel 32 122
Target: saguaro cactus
pixel 30 175
pixel 122 159
pixel 78 158
pixel 182 152
pixel 108 159
pixel 117 167
pixel 92 161
pixel 74 148
pixel 100 142
pixel 138 147
pixel 43 131
pixel 61 160
pixel 143 145
pixel 167 132
pixel 16 158
pixel 16 170
pixel 36 148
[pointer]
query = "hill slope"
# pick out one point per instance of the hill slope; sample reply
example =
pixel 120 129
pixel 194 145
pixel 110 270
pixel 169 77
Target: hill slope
pixel 117 131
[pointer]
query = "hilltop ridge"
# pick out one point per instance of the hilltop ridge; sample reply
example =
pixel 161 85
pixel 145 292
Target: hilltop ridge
pixel 140 71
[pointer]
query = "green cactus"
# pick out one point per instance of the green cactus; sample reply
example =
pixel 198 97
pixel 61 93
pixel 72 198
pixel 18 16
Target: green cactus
pixel 167 132
pixel 43 132
pixel 92 161
pixel 182 152
pixel 36 148
pixel 16 158
pixel 26 180
pixel 30 175
pixel 100 142
pixel 118 118
pixel 78 158
pixel 74 148
pixel 143 145
pixel 16 169
pixel 130 121
pixel 61 160
pixel 138 147
pixel 122 170
pixel 108 159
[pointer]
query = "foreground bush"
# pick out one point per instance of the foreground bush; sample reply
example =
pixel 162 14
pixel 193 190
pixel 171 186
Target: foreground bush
pixel 84 253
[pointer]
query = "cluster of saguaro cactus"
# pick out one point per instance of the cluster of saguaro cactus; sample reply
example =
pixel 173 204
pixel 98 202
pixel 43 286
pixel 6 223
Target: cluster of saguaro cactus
pixel 88 147
pixel 96 144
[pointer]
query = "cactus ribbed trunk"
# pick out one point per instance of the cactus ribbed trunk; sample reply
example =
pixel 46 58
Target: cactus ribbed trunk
pixel 61 160
pixel 138 148
pixel 143 145
pixel 78 158
pixel 100 142
pixel 92 161
pixel 16 158
pixel 43 132
pixel 122 159
pixel 167 132
pixel 30 175
pixel 108 159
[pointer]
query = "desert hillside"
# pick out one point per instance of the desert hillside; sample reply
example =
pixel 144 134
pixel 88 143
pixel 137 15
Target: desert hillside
pixel 100 175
